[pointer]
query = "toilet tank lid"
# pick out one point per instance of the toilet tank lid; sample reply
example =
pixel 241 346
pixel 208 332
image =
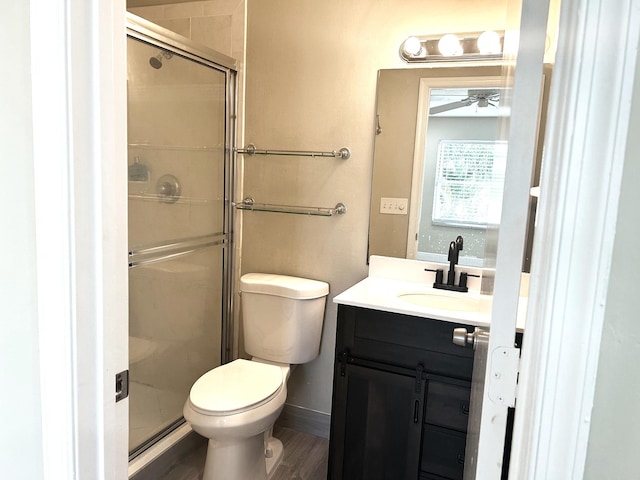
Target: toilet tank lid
pixel 283 286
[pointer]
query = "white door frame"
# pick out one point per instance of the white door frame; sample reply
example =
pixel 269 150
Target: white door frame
pixel 79 126
pixel 584 155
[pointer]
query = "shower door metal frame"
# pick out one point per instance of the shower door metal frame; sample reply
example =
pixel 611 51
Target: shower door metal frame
pixel 152 34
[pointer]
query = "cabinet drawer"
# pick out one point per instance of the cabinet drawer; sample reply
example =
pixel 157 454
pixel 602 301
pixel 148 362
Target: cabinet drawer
pixel 443 453
pixel 403 341
pixel 448 404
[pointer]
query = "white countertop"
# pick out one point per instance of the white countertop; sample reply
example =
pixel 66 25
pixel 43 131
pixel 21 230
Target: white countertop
pixel 390 278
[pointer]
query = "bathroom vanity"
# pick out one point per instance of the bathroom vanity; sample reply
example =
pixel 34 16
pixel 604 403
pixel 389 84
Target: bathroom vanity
pixel 401 387
pixel 400 398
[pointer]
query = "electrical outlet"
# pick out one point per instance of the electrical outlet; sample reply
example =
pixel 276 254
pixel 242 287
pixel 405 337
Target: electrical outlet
pixel 394 206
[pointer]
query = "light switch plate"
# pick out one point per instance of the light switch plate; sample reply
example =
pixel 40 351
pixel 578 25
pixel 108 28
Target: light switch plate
pixel 394 206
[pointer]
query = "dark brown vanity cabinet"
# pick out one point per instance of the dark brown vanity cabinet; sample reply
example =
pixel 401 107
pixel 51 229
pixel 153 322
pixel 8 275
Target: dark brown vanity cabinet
pixel 400 399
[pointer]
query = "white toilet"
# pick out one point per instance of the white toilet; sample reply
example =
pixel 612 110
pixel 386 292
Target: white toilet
pixel 235 405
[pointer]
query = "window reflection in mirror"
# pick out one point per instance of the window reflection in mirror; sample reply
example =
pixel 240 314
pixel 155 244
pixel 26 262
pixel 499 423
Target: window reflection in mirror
pixel 462 165
pixel 404 136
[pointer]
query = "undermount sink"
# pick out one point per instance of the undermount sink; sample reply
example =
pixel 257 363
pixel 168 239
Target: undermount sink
pixel 445 302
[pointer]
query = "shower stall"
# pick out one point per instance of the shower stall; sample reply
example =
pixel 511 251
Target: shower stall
pixel 181 109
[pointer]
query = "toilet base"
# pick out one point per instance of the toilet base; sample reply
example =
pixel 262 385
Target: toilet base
pixel 276 452
pixel 243 460
pixel 236 459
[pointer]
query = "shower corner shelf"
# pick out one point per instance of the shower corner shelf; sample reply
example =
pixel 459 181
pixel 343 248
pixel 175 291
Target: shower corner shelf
pixel 250 204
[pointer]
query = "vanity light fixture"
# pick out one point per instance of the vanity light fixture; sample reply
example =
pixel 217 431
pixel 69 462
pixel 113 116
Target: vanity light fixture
pixel 453 47
pixel 490 43
pixel 449 45
pixel 412 46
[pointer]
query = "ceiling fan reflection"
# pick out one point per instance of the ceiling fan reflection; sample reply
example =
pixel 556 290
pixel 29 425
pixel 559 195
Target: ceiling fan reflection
pixel 483 99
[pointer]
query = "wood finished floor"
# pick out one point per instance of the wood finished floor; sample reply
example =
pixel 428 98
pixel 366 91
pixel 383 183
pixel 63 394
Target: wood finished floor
pixel 305 458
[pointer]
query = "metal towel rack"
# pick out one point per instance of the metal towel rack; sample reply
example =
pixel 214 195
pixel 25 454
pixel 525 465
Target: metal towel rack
pixel 250 204
pixel 344 153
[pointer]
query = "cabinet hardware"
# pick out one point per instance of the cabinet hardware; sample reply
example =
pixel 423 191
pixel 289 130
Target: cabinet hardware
pixel 343 362
pixel 419 371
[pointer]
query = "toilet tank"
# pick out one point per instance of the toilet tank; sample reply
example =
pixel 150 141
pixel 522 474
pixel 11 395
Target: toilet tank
pixel 282 316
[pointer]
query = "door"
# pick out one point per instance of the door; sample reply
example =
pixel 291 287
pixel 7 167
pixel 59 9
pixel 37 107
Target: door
pixel 179 176
pixel 494 388
pixel 382 423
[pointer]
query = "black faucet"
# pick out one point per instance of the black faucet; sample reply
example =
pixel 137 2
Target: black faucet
pixel 454 254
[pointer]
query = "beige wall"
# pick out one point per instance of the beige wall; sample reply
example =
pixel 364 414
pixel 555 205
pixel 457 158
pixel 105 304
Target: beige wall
pixel 311 83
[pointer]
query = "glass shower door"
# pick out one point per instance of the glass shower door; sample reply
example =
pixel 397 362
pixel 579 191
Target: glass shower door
pixel 178 169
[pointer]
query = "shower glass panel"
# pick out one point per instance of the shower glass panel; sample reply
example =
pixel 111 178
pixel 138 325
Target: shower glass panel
pixel 178 168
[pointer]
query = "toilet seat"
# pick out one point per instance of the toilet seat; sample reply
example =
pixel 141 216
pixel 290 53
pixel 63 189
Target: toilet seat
pixel 235 387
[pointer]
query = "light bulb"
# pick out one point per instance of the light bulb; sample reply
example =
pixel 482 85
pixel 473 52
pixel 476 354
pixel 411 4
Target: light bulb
pixel 413 47
pixel 489 43
pixel 449 45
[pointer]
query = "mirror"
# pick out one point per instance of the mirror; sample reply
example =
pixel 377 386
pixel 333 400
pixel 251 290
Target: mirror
pixel 437 163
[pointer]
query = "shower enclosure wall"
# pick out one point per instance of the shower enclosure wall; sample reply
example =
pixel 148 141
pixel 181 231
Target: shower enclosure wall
pixel 181 101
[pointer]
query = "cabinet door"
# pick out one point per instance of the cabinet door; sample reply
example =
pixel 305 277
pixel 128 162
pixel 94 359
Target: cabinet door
pixel 377 420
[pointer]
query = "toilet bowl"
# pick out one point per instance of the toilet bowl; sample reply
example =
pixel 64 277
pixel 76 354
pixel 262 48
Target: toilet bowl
pixel 235 405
